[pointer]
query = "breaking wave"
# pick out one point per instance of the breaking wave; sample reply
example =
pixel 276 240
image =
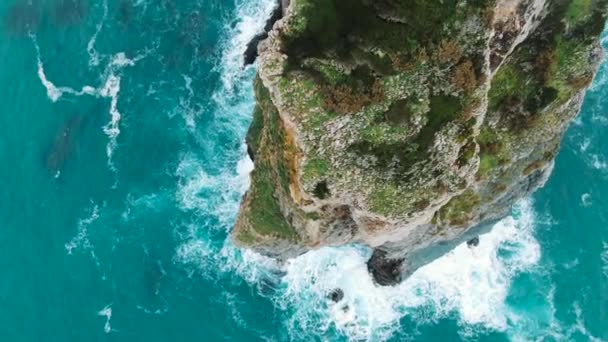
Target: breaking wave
pixel 470 282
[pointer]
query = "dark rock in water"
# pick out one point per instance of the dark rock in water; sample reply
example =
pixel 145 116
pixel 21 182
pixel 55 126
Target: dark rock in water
pixel 63 145
pixel 250 152
pixel 154 274
pixel 22 18
pixel 474 242
pixel 386 272
pixel 251 52
pixel 124 12
pixel 70 12
pixel 336 295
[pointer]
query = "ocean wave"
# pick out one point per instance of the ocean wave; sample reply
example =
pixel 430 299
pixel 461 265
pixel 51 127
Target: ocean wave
pixel 219 194
pixel 472 282
pixel 217 189
pixel 211 183
pixel 251 21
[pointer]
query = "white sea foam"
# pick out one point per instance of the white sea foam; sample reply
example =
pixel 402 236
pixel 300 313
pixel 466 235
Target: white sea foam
pixel 580 326
pixel 135 205
pixel 218 190
pixel 217 194
pixel 81 239
pixel 585 144
pixel 107 313
pixel 93 54
pixel 232 302
pixel 109 88
pixel 604 258
pixel 598 115
pixel 558 330
pixel 251 16
pixel 470 282
pixel 52 91
pixel 598 162
pixel 586 200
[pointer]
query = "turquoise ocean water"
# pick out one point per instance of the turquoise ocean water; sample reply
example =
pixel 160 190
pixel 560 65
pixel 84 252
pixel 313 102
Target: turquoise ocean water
pixel 122 164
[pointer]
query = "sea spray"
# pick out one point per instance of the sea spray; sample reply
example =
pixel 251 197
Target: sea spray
pixel 472 282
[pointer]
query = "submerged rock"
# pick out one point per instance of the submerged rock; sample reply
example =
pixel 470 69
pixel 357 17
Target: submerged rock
pixel 70 12
pixel 474 242
pixel 336 295
pixel 22 18
pixel 63 146
pixel 405 125
pixel 385 271
pixel 251 52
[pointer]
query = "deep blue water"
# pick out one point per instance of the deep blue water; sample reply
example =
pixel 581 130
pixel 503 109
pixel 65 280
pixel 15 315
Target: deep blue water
pixel 123 162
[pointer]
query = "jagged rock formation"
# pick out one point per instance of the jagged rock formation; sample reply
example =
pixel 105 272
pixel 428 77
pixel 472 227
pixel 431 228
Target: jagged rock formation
pixel 409 125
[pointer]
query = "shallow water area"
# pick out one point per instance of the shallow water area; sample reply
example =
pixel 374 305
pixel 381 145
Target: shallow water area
pixel 124 163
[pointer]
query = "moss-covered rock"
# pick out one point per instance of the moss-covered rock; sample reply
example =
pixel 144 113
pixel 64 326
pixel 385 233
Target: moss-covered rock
pixel 403 124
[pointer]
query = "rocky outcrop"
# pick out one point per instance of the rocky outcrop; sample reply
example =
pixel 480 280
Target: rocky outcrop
pixel 251 51
pixel 409 125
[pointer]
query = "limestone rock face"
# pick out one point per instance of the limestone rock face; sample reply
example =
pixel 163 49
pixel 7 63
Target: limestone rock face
pixel 409 125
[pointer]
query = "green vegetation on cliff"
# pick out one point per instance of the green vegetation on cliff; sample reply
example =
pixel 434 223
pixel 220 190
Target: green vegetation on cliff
pixel 270 179
pixel 382 114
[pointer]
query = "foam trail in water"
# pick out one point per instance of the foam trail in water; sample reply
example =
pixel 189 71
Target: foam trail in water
pixel 81 240
pixel 109 88
pixel 580 325
pixel 93 54
pixel 107 313
pixel 605 260
pixel 53 92
pixel 586 200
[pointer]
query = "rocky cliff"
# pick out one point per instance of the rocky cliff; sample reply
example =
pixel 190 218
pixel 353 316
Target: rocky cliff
pixel 409 125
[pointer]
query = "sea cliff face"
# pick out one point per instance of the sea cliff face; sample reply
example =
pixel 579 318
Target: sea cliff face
pixel 409 125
